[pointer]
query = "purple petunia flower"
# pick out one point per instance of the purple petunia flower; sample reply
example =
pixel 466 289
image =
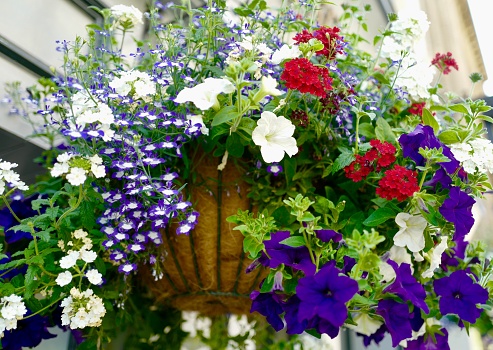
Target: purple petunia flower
pixel 325 295
pixel 457 209
pixel 377 337
pixel 440 177
pixel 459 295
pixel 291 307
pixel 406 286
pixel 423 136
pixel 328 235
pixel 297 258
pixel 28 334
pixel 268 305
pixel 425 342
pixel 396 317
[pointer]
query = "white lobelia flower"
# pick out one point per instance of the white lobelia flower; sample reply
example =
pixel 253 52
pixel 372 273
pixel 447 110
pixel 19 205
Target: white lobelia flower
pixel 77 176
pixel 204 95
pixel 64 278
pixel 366 324
pixel 268 87
pixel 411 233
pixel 274 135
pixel 94 276
pixel 285 53
pixel 435 255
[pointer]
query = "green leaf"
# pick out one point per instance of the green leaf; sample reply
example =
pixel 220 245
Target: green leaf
pixel 379 216
pixel 289 168
pixel 268 283
pixel 295 241
pixel 282 216
pixel 460 108
pixel 376 39
pixel 21 227
pixel 429 119
pixel 383 131
pixel 52 212
pixel 343 160
pixel 485 117
pixel 367 130
pixel 44 235
pixel 87 216
pixel 224 115
pixel 234 146
pixel 449 136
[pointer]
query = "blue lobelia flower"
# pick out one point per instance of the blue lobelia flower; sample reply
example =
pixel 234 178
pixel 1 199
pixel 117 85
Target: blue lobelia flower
pixel 406 286
pixel 396 317
pixel 297 258
pixel 268 305
pixel 459 295
pixel 324 295
pixel 425 342
pixel 423 136
pixel 457 209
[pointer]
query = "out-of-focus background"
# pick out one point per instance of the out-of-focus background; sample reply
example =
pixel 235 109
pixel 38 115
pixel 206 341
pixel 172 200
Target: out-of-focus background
pixel 29 30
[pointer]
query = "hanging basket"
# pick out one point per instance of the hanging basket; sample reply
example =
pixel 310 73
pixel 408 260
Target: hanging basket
pixel 205 270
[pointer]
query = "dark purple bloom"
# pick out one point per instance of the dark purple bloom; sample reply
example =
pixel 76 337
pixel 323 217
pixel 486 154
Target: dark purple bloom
pixel 440 177
pixel 459 294
pixel 297 258
pixel 322 326
pixel 396 316
pixel 268 305
pixel 406 286
pixel 377 337
pixel 348 264
pixel 291 307
pixel 423 136
pixel 425 342
pixel 328 235
pixel 29 333
pixel 457 209
pixel 325 295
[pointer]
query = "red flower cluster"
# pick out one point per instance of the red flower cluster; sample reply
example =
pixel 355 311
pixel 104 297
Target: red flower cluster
pixel 444 62
pixel 300 74
pixel 381 155
pixel 333 43
pixel 417 108
pixel 399 183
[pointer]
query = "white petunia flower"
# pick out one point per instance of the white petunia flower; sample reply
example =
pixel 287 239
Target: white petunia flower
pixel 94 276
pixel 268 87
pixel 64 278
pixel 399 255
pixel 77 176
pixel 198 119
pixel 366 324
pixel 126 14
pixel 274 135
pixel 435 255
pixel 285 53
pixel 411 233
pixel 204 95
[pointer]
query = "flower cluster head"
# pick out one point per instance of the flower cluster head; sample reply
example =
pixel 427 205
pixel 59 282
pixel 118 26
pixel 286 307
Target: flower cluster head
pixel 126 16
pixel 475 155
pixel 80 247
pixel 444 62
pixel 82 309
pixel 302 75
pixel 380 155
pixel 12 308
pixel 10 178
pixel 399 183
pixel 133 83
pixel 330 38
pixel 76 168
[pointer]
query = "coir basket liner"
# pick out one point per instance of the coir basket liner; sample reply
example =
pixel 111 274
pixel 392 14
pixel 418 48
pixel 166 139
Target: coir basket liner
pixel 205 270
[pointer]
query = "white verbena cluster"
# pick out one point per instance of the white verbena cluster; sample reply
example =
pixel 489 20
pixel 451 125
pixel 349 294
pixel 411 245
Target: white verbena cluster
pixel 475 155
pixel 138 83
pixel 77 168
pixel 127 16
pixel 80 248
pixel 10 177
pixel 12 309
pixel 86 111
pixel 82 309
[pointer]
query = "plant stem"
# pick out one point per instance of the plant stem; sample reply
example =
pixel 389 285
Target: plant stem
pixel 64 215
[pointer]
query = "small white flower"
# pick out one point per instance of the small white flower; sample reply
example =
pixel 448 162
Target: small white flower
pixel 88 255
pixel 435 255
pixel 198 119
pixel 274 136
pixel 123 13
pixel 285 53
pixel 64 278
pixel 98 171
pixel 411 233
pixel 64 157
pixel 94 276
pixel 79 234
pixel 204 96
pixel 69 260
pixel 59 169
pixel 77 176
